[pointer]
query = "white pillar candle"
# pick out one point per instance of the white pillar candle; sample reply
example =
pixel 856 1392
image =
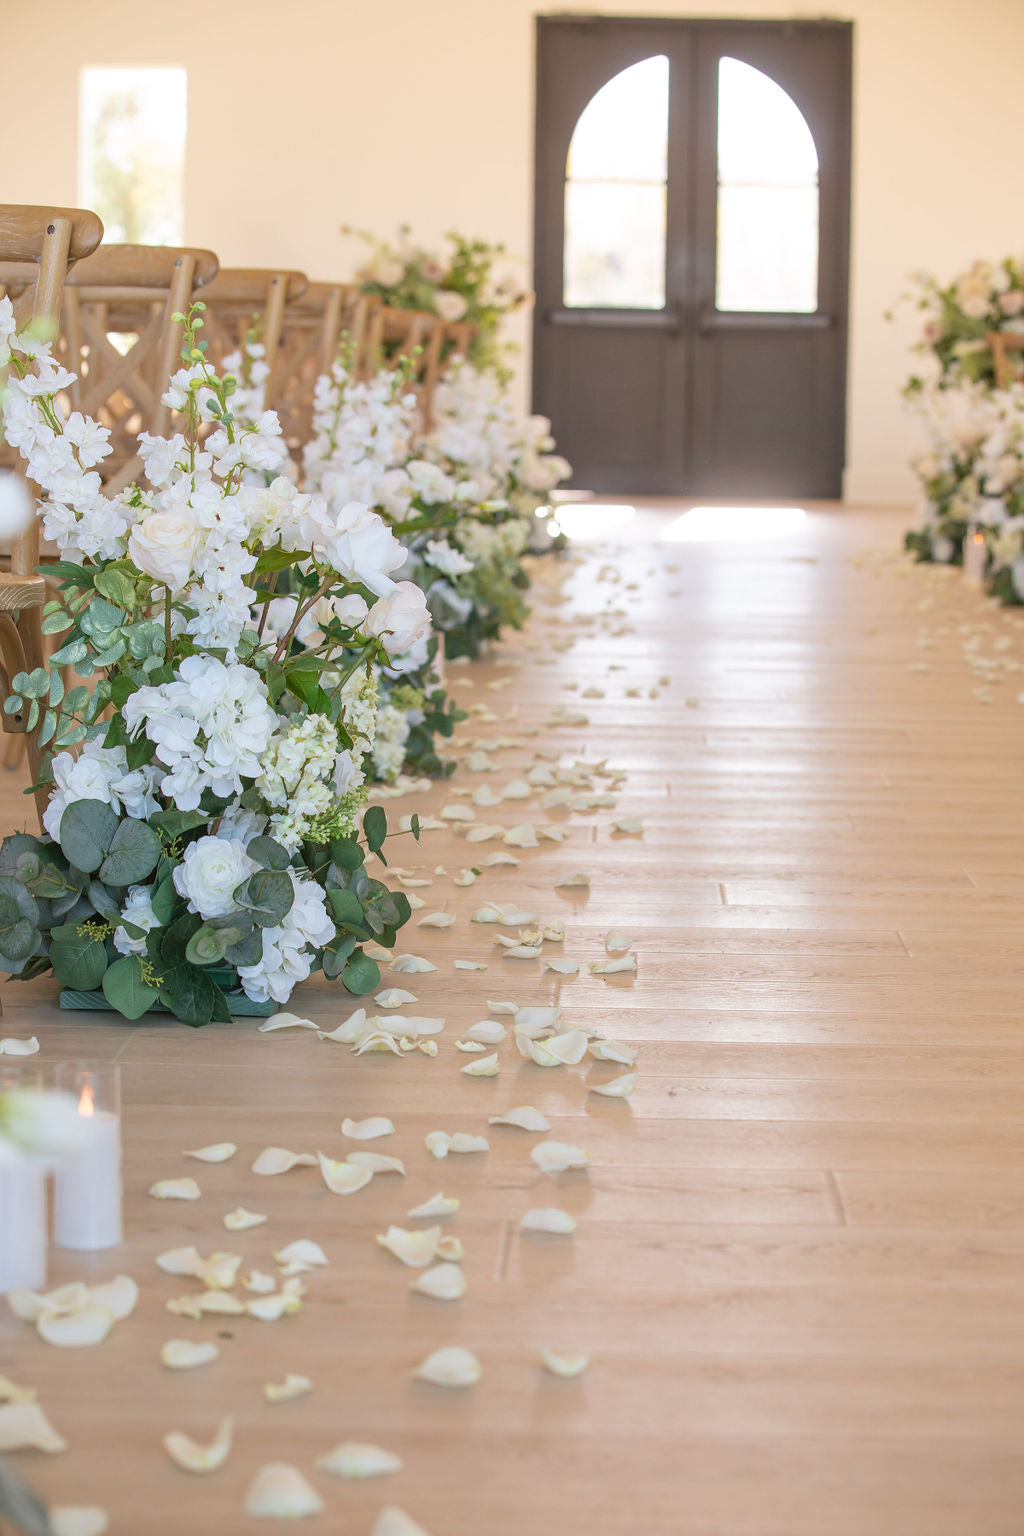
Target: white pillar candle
pixel 975 556
pixel 87 1185
pixel 22 1223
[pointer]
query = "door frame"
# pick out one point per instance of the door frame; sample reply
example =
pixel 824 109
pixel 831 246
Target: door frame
pixel 548 230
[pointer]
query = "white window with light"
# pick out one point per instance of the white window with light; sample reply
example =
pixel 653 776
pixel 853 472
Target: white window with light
pixel 616 177
pixel 767 249
pixel 132 128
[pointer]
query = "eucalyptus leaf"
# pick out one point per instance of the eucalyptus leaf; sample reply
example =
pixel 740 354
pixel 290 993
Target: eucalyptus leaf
pixel 87 830
pixel 269 853
pixel 208 946
pixel 78 956
pixel 189 994
pixel 125 989
pixel 134 850
pixel 267 897
pixel 361 974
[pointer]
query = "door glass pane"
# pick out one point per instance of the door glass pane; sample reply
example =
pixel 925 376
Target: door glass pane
pixel 767 247
pixel 615 178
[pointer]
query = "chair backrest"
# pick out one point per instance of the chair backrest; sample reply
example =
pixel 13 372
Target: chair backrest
pixel 119 337
pixel 41 244
pixel 413 337
pixel 313 329
pixel 242 297
pixel 1005 345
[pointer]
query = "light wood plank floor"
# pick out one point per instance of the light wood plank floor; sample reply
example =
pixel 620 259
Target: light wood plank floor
pixel 800 1259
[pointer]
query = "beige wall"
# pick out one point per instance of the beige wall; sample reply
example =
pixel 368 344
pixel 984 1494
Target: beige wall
pixel 312 113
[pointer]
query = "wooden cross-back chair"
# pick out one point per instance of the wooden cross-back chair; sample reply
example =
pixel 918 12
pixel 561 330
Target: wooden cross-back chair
pixel 397 335
pixel 313 328
pixel 1007 348
pixel 241 297
pixel 118 336
pixel 46 242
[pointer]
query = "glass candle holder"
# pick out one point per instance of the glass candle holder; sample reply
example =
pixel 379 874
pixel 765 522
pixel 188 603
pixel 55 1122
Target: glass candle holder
pixel 87 1184
pixel 22 1200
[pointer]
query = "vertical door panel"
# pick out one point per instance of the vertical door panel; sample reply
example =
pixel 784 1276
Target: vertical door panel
pixel 613 376
pixel 769 389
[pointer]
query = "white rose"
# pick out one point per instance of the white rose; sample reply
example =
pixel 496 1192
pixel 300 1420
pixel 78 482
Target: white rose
pixel 387 273
pixel 450 306
pixel 164 547
pixel 210 873
pixel 401 620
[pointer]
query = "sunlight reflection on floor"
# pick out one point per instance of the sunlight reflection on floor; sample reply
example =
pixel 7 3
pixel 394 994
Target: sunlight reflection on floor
pixel 712 525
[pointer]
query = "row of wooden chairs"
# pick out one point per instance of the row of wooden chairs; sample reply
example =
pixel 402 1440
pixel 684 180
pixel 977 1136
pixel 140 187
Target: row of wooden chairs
pixel 1007 348
pixel 110 310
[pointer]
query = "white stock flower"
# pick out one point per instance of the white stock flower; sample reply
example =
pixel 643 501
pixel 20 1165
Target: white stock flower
pixel 211 870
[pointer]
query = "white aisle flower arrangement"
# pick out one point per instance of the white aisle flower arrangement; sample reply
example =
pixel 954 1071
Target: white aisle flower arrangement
pixel 203 831
pixel 972 473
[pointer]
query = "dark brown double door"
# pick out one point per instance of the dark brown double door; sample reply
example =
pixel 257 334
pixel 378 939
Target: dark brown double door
pixel 691 254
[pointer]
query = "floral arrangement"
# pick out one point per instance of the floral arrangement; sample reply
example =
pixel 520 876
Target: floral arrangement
pixel 973 477
pixel 461 283
pixel 988 296
pixel 461 499
pixel 203 829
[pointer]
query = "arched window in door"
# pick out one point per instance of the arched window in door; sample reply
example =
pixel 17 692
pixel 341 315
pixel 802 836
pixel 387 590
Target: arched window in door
pixel 767 254
pixel 615 180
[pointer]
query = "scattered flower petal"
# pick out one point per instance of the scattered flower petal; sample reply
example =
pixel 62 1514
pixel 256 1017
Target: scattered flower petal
pixel 354 1460
pixel 193 1457
pixel 534 1021
pixel 563 967
pixel 451 1250
pixel 377 1162
pixel 218 1153
pixel 75 1330
pixel 576 880
pixel 614 941
pixel 558 1156
pixel 524 1116
pixel 437 1205
pixel 618 1088
pixel 416 1249
pixel 280 1492
pixel 437 920
pixel 286 1391
pixel 175 1189
pixel 395 1522
pixel 612 1050
pixel 240 1220
pixel 470 965
pixel 343 1178
pixel 451 1366
pixel 302 1251
pixel 486 1066
pixel 566 1366
pixel 184 1355
pixel 487 1032
pixel 548 1219
pixel 286 1021
pixel 411 965
pixel 613 967
pixel 367 1130
pixel 274 1160
pixel 394 997
pixel 12 1046
pixel 442 1282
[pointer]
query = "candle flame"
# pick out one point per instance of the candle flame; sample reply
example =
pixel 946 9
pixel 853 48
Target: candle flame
pixel 87 1102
